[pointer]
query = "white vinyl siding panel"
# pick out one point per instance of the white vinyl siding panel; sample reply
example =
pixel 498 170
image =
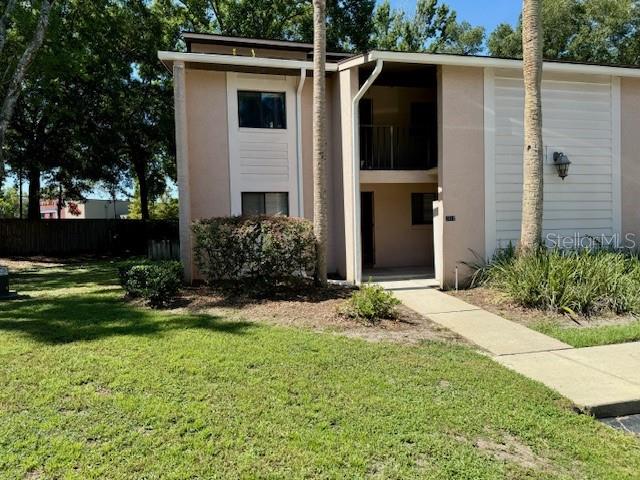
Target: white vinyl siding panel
pixel 577 120
pixel 262 159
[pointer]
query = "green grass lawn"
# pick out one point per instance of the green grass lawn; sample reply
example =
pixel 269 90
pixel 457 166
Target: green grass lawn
pixel 91 387
pixel 591 336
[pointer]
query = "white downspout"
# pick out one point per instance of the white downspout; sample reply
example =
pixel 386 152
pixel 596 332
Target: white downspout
pixel 355 157
pixel 303 76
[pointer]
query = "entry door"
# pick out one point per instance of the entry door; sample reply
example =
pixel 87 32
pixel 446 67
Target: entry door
pixel 367 229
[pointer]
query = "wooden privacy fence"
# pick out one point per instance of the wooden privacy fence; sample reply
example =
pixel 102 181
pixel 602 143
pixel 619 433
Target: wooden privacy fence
pixel 164 249
pixel 90 236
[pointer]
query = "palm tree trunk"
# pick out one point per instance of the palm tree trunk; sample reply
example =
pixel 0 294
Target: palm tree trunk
pixel 320 219
pixel 532 195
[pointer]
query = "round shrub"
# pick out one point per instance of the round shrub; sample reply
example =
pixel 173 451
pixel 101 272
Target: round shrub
pixel 256 253
pixel 371 303
pixel 156 282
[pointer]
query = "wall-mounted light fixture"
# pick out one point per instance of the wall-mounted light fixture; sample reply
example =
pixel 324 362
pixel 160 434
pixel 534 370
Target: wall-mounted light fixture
pixel 562 162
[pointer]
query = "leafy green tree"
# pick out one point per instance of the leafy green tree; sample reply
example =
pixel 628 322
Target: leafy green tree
pixel 463 39
pixel 165 207
pixel 47 139
pixel 132 117
pixel 98 101
pixel 388 27
pixel 505 42
pixel 433 28
pixel 349 22
pixel 599 31
pixel 9 203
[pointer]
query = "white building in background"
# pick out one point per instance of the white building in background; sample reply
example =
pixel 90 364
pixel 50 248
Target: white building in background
pixel 90 208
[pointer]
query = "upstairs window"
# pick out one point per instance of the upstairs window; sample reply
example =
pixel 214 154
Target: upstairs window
pixel 265 203
pixel 262 109
pixel 422 208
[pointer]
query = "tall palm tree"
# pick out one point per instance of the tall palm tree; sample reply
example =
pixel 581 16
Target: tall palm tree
pixel 320 138
pixel 532 195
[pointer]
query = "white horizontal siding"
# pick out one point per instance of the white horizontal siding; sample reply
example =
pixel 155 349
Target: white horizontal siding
pixel 577 120
pixel 262 160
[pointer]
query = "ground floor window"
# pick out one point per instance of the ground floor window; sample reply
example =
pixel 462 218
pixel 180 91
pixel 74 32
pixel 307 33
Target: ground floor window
pixel 422 208
pixel 265 203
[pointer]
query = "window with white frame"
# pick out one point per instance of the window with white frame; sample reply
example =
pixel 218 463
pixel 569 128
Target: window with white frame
pixel 262 109
pixel 265 203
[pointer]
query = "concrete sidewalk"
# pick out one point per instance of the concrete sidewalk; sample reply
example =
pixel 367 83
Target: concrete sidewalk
pixel 604 381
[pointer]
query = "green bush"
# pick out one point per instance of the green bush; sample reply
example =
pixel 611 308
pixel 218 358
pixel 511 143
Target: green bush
pixel 255 253
pixel 156 282
pixel 583 281
pixel 370 303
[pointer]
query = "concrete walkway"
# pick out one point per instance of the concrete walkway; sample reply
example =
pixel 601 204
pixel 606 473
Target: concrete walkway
pixel 604 381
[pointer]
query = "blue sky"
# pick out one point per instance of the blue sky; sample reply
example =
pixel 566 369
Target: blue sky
pixel 487 13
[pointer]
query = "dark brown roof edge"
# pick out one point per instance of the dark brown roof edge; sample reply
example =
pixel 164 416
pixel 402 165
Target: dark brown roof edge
pixel 212 38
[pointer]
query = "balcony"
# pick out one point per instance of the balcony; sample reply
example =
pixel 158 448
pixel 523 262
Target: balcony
pixel 390 147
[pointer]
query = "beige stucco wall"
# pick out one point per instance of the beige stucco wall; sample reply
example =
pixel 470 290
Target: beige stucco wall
pixel 461 166
pixel 398 243
pixel 336 246
pixel 307 147
pixel 208 155
pixel 208 143
pixel 348 87
pixel 630 156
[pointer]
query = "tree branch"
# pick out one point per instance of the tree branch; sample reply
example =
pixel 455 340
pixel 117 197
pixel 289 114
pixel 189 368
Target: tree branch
pixel 13 91
pixel 4 22
pixel 216 11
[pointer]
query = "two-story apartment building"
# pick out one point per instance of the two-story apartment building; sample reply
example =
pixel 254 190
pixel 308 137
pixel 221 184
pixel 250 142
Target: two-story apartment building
pixel 424 150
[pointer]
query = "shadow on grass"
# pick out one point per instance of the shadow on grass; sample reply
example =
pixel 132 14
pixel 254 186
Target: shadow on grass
pixel 91 317
pixel 104 274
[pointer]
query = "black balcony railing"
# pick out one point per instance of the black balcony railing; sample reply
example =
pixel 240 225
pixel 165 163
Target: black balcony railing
pixel 388 147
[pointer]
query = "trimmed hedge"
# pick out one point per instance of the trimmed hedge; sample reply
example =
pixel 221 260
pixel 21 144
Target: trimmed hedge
pixel 256 253
pixel 156 282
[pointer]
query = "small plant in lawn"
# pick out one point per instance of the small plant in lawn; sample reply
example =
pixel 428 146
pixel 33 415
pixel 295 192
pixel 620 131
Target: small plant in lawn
pixel 371 303
pixel 569 281
pixel 156 282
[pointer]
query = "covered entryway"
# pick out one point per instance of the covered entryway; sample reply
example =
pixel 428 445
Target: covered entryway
pixel 397 225
pixel 398 172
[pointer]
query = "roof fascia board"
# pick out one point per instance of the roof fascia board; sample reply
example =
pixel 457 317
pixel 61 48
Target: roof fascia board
pixel 219 59
pixel 462 61
pixel 206 38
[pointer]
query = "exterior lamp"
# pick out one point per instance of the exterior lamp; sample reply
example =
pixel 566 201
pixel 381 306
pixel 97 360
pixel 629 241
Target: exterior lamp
pixel 562 162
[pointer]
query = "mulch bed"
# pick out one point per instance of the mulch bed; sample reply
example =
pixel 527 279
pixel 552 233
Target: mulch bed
pixel 314 309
